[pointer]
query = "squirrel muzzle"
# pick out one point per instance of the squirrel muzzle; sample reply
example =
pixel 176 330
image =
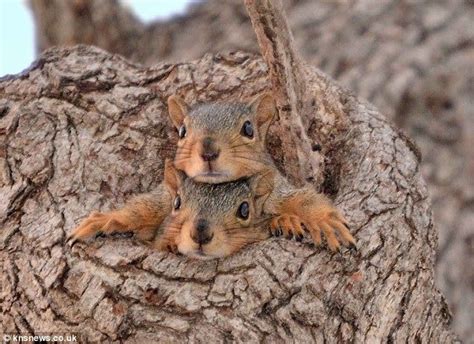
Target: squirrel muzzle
pixel 201 233
pixel 209 150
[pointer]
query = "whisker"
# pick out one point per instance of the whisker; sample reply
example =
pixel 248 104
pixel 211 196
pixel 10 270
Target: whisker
pixel 234 138
pixel 181 158
pixel 247 165
pixel 179 150
pixel 242 144
pixel 249 158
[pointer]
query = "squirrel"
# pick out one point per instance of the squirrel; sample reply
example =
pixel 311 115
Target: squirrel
pixel 196 219
pixel 221 143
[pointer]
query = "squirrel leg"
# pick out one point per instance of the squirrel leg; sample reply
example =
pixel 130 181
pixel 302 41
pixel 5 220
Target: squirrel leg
pixel 142 216
pixel 166 240
pixel 287 225
pixel 318 215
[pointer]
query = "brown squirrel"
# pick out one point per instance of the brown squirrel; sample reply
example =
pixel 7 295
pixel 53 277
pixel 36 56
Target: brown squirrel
pixel 199 220
pixel 219 143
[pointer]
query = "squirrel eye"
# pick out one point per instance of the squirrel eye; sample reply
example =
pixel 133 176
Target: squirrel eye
pixel 182 131
pixel 177 203
pixel 243 211
pixel 247 129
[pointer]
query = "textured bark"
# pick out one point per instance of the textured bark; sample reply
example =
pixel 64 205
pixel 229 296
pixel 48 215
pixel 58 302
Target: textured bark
pixel 83 129
pixel 412 59
pixel 103 23
pixel 290 86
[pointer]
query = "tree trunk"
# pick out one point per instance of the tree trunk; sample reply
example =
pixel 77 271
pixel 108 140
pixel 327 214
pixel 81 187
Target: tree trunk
pixel 83 130
pixel 104 23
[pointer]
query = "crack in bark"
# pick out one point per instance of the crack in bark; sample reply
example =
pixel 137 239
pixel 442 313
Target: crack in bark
pixel 73 185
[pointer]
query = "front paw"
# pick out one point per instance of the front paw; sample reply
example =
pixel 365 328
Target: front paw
pixel 287 225
pixel 334 227
pixel 96 223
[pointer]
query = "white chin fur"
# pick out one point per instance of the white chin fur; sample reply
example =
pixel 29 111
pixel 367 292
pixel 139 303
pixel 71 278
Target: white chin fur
pixel 211 177
pixel 195 254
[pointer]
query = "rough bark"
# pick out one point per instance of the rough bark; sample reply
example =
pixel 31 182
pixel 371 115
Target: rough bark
pixel 412 59
pixel 290 88
pixel 103 23
pixel 83 129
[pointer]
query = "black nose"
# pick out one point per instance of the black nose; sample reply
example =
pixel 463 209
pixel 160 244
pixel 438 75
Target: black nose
pixel 202 235
pixel 209 150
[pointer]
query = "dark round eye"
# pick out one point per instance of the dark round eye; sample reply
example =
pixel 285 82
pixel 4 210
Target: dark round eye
pixel 243 211
pixel 177 203
pixel 247 129
pixel 182 131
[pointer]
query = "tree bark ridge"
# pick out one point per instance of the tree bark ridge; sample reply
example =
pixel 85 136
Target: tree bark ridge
pixel 289 85
pixel 417 69
pixel 81 131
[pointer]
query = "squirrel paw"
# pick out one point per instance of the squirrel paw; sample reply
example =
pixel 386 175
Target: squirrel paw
pixel 287 225
pixel 172 248
pixel 330 224
pixel 93 225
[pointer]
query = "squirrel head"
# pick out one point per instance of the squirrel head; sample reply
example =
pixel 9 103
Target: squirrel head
pixel 222 142
pixel 216 220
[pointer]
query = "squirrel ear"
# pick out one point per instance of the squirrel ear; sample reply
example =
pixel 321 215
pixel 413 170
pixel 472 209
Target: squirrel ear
pixel 177 109
pixel 172 177
pixel 262 185
pixel 264 108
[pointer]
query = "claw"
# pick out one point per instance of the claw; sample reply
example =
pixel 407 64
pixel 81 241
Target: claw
pixel 99 235
pixel 299 238
pixel 71 240
pixel 353 247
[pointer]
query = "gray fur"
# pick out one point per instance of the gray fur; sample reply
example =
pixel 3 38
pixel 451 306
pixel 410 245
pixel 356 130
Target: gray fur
pixel 214 199
pixel 218 117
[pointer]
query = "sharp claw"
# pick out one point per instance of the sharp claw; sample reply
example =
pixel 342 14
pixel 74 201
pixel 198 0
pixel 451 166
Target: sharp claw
pixel 279 232
pixel 299 237
pixel 346 225
pixel 352 247
pixel 290 235
pixel 71 240
pixel 118 235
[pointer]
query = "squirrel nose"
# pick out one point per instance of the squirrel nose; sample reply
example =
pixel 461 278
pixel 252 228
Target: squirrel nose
pixel 202 235
pixel 209 150
pixel 209 156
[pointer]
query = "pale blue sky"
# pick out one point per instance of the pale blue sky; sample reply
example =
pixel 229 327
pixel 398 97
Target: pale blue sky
pixel 17 46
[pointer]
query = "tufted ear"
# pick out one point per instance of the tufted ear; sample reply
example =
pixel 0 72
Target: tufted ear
pixel 264 108
pixel 262 186
pixel 172 177
pixel 177 110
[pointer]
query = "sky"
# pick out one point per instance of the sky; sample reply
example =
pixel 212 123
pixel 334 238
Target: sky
pixel 17 45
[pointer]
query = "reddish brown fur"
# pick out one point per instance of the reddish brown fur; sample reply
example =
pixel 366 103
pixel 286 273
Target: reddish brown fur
pixel 241 157
pixel 318 215
pixel 229 232
pixel 142 216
